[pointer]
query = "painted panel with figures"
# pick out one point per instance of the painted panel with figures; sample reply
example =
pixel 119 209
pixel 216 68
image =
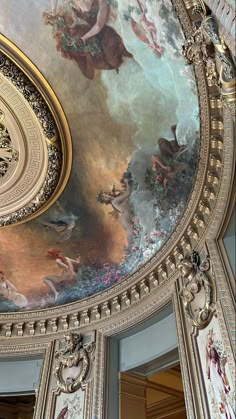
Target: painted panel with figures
pixel 217 373
pixel 131 103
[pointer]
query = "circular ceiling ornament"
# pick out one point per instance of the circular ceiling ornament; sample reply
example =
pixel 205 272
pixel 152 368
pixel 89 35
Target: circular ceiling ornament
pixel 8 155
pixel 35 141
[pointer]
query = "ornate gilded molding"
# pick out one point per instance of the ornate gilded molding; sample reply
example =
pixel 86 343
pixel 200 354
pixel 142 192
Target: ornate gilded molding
pixel 220 68
pixel 155 285
pixel 36 121
pixel 77 355
pixel 198 221
pixel 224 11
pixel 197 291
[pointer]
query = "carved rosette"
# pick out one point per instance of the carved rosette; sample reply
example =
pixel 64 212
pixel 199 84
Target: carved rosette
pixel 35 156
pixel 73 364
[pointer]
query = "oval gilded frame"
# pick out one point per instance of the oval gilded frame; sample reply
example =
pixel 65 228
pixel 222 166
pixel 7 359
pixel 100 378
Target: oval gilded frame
pixel 49 99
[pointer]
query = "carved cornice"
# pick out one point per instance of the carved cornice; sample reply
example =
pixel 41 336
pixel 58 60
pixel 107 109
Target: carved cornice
pixel 154 280
pixel 37 122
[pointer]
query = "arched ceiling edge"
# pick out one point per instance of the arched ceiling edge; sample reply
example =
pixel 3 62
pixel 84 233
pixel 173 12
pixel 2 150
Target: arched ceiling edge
pixel 213 181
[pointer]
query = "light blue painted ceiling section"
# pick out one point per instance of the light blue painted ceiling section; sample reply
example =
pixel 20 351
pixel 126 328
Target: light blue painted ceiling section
pixel 149 344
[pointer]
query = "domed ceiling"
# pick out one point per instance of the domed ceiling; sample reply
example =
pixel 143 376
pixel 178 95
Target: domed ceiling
pixel 130 99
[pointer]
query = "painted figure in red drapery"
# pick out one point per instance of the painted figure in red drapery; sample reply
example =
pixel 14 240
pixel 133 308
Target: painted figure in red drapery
pixel 82 35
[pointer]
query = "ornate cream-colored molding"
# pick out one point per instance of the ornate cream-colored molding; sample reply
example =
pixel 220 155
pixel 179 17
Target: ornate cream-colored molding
pixel 8 154
pixel 40 138
pixel 75 354
pixel 28 350
pixel 224 11
pixel 157 283
pixel 183 352
pixel 135 293
pixel 220 70
pixel 197 291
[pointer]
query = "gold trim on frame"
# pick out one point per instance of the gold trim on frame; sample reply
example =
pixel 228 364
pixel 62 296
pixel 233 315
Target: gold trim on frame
pixel 198 224
pixel 151 287
pixel 15 55
pixel 156 284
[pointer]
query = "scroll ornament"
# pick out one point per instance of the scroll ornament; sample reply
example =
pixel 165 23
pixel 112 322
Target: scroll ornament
pixel 73 364
pixel 206 48
pixel 197 291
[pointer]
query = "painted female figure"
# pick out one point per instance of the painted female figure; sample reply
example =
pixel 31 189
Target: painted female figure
pixel 120 203
pixel 218 378
pixel 82 35
pixel 9 291
pixel 69 270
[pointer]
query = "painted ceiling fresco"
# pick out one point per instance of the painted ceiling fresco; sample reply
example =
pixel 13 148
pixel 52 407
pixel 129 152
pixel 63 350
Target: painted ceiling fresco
pixel 132 107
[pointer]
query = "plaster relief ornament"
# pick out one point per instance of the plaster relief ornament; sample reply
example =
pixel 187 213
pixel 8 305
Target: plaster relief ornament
pixel 73 364
pixel 205 47
pixel 197 292
pixel 8 155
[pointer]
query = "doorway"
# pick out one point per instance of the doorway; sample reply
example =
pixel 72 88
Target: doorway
pixel 156 396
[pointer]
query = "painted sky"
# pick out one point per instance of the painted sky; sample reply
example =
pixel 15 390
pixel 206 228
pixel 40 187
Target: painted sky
pixel 115 121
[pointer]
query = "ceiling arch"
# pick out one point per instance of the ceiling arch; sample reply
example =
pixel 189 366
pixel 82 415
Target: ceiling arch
pixel 116 116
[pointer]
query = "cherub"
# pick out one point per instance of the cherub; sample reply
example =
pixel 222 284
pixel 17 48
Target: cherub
pixel 120 202
pixel 69 270
pixel 9 291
